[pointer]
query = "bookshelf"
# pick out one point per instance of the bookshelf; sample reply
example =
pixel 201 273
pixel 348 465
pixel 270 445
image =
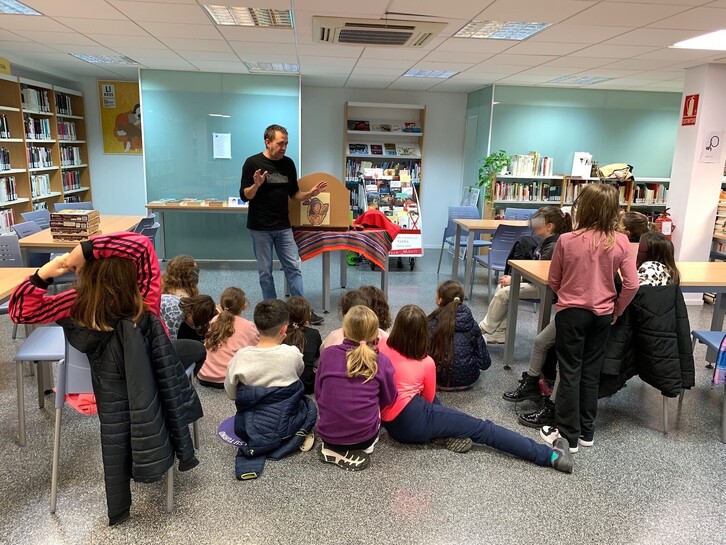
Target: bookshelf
pixel 43 151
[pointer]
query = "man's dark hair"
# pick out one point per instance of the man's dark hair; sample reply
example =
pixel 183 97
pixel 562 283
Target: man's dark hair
pixel 270 316
pixel 271 131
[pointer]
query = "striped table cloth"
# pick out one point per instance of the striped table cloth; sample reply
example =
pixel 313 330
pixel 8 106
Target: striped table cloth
pixel 373 244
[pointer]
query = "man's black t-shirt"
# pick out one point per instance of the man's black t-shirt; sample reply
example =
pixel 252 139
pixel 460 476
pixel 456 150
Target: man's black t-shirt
pixel 269 208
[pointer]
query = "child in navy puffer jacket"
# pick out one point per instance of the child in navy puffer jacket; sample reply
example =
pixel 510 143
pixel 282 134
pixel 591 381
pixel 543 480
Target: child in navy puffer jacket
pixel 457 346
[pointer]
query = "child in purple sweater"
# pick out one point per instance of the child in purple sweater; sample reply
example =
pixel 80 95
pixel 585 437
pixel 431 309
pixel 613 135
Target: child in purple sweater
pixel 353 382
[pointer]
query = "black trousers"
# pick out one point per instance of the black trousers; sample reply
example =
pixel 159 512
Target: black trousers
pixel 190 352
pixel 580 344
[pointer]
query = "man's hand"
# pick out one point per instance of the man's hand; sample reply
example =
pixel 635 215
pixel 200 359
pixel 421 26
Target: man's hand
pixel 259 178
pixel 74 261
pixel 317 189
pixel 615 319
pixel 505 281
pixel 54 268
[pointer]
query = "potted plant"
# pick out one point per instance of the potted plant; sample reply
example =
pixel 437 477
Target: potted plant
pixel 491 167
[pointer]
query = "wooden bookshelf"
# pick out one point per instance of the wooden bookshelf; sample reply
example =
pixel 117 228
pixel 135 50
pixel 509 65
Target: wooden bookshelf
pixel 50 120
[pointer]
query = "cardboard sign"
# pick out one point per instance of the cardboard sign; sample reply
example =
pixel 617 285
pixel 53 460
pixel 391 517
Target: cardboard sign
pixel 690 110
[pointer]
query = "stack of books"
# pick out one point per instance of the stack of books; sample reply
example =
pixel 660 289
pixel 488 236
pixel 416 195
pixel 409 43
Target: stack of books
pixel 74 225
pixel 720 226
pixel 532 164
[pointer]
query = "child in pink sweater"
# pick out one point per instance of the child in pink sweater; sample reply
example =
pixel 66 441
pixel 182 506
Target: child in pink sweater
pixel 582 275
pixel 227 333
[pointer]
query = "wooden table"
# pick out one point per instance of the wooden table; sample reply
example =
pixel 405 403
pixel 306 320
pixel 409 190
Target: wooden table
pixel 160 208
pixel 473 228
pixel 696 277
pixel 43 242
pixel 10 278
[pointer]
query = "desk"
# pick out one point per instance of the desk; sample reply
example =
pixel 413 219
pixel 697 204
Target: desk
pixel 473 228
pixel 11 278
pixel 159 210
pixel 373 244
pixel 696 277
pixel 43 242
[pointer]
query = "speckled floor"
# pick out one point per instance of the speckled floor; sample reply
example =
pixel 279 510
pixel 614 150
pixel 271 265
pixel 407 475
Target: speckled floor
pixel 635 486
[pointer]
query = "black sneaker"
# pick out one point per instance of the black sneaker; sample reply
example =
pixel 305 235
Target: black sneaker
pixel 545 416
pixel 352 460
pixel 564 461
pixel 459 445
pixel 315 319
pixel 528 389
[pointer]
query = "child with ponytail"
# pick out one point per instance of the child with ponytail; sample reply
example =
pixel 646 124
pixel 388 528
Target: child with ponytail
pixel 457 346
pixel 353 382
pixel 307 339
pixel 228 332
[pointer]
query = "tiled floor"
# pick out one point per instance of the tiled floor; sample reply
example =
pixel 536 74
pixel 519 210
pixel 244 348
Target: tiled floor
pixel 635 486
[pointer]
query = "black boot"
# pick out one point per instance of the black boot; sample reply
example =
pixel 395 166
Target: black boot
pixel 528 389
pixel 544 417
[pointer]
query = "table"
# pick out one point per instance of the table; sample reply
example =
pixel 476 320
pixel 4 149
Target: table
pixel 374 244
pixel 160 208
pixel 473 228
pixel 696 277
pixel 43 242
pixel 11 278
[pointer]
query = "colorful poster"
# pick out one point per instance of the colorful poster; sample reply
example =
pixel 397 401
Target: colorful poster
pixel 120 117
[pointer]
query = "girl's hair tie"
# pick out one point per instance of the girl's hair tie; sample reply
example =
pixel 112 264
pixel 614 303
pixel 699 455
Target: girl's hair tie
pixel 457 300
pixel 225 308
pixel 363 343
pixel 295 325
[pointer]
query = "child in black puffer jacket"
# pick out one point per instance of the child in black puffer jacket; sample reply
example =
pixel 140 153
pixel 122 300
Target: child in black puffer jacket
pixel 457 346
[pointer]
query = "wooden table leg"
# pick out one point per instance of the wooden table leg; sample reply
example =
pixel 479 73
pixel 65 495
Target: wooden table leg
pixel 512 319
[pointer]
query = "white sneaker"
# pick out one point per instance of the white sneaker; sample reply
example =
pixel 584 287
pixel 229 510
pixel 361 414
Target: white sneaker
pixel 585 443
pixel 549 434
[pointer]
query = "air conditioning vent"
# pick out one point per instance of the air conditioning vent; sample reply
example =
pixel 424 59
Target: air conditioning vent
pixel 375 32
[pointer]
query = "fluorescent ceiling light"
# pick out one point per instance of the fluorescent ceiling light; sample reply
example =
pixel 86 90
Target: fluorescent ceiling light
pixel 500 30
pixel 285 67
pixel 259 17
pixel 440 74
pixel 104 59
pixel 16 8
pixel 579 80
pixel 715 41
pixel 220 115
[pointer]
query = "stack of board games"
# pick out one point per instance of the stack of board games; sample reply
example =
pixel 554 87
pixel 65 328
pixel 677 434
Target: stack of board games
pixel 74 225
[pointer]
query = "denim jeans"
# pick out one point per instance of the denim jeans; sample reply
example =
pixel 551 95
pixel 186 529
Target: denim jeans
pixel 421 421
pixel 286 249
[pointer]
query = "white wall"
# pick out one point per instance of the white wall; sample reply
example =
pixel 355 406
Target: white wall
pixel 117 180
pixel 322 124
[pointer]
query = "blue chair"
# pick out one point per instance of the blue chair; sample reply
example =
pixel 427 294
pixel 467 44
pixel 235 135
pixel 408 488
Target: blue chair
pixel 712 339
pixel 28 228
pixel 10 256
pixel 457 213
pixel 519 214
pixel 150 232
pixel 87 205
pixel 496 259
pixel 145 223
pixel 40 217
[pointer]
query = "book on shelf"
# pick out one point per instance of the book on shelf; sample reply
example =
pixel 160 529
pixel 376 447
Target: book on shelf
pixel 67 130
pixel 412 127
pixel 381 127
pixel 532 164
pixel 4 127
pixel 376 149
pixel 359 125
pixel 8 189
pixel 39 185
pixel 541 191
pixel 70 155
pixel 35 99
pixel 37 128
pixel 390 149
pixel 355 169
pixel 42 205
pixel 650 194
pixel 63 104
pixel 408 150
pixel 358 149
pixel 39 157
pixel 5 159
pixel 6 221
pixel 71 180
pixel 72 198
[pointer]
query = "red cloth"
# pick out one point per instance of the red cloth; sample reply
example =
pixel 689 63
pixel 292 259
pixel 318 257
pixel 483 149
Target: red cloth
pixel 376 219
pixel 83 403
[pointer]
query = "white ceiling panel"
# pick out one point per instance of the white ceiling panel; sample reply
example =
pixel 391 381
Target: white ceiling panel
pixel 639 64
pixel 657 75
pixel 717 4
pixel 330 50
pixel 696 19
pixel 387 72
pixel 55 38
pixel 100 26
pixel 180 30
pixel 521 60
pixel 161 12
pixel 370 82
pixel 169 64
pixel 552 11
pixel 87 49
pixel 264 57
pixel 579 34
pixel 8 36
pixel 605 72
pixel 366 9
pixel 181 44
pixel 676 55
pixel 137 53
pixel 414 84
pixel 581 62
pixel 250 34
pixel 520 79
pixel 329 61
pixel 613 51
pixel 474 45
pixel 324 81
pixel 553 71
pixel 17 23
pixel 674 2
pixel 220 56
pixel 225 67
pixel 317 70
pixel 461 9
pixel 449 86
pixel 85 9
pixel 653 37
pixel 544 48
pixel 625 14
pixel 170 1
pixel 127 72
pixel 373 63
pixel 266 48
pixel 495 68
pixel 24 46
pixel 141 42
pixel 455 66
pixel 385 53
pixel 456 56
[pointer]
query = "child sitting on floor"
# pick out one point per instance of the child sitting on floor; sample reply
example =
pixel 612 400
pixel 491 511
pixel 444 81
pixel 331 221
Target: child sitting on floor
pixel 377 302
pixel 198 312
pixel 305 338
pixel 353 382
pixel 181 279
pixel 228 332
pixel 274 418
pixel 350 299
pixel 457 346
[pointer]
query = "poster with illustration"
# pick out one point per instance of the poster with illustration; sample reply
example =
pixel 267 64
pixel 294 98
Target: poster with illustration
pixel 120 117
pixel 314 211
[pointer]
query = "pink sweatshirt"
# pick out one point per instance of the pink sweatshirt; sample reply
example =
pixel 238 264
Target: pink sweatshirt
pixel 215 366
pixel 413 377
pixel 582 273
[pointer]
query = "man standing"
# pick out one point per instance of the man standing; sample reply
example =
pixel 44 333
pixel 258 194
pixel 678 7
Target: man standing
pixel 269 179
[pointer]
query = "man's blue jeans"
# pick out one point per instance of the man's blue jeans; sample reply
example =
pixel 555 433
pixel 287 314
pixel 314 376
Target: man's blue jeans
pixel 286 249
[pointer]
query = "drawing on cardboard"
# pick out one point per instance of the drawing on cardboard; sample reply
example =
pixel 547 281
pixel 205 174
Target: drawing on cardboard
pixel 314 211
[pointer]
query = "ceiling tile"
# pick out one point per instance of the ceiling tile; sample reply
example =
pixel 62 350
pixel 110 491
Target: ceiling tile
pixel 364 71
pixel 181 30
pixel 128 72
pixel 455 66
pixel 266 48
pixel 618 13
pixel 455 87
pixel 100 26
pixel 544 48
pixel 55 38
pixel 520 79
pixel 553 71
pixel 578 34
pixel 414 84
pixel 385 53
pixel 639 64
pixel 264 57
pixel 490 67
pixel 8 36
pixel 613 51
pixel 370 82
pixel 181 44
pixel 605 72
pixel 367 10
pixel 139 53
pixel 83 9
pixel 323 81
pixel 317 70
pixel 474 45
pixel 552 11
pixel 23 22
pixel 657 75
pixel 87 49
pixel 24 46
pixel 695 19
pixel 249 34
pixel 580 62
pixel 462 9
pixel 311 60
pixel 163 13
pixel 717 4
pixel 330 50
pixel 521 60
pixel 141 42
pixel 674 2
pixel 219 56
pixel 653 37
pixel 676 55
pixel 225 67
pixel 169 64
pixel 456 56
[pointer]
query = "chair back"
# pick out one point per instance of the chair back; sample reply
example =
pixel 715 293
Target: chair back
pixel 74 376
pixel 519 214
pixel 502 243
pixel 150 232
pixel 26 228
pixel 145 223
pixel 10 255
pixel 86 205
pixel 460 213
pixel 41 217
